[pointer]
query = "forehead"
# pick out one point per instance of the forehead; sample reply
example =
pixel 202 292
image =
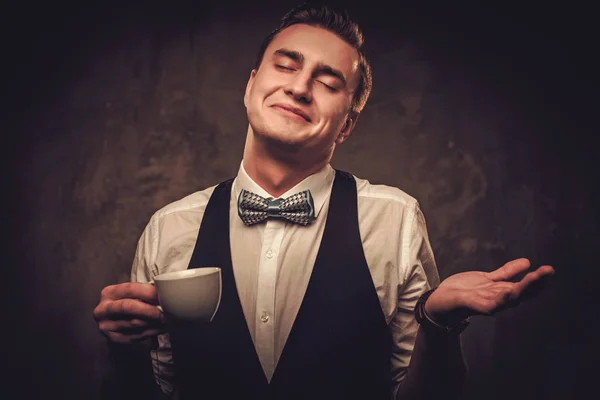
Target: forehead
pixel 318 45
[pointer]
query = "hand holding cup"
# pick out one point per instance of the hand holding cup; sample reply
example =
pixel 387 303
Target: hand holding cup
pixel 128 313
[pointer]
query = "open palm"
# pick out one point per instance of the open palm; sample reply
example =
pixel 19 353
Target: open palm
pixel 476 292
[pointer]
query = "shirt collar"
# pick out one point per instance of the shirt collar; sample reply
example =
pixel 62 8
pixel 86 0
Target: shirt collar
pixel 319 184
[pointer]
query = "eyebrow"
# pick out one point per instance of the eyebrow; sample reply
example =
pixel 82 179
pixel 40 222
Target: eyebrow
pixel 321 67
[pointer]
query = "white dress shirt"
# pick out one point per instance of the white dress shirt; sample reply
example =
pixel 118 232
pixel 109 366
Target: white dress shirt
pixel 273 261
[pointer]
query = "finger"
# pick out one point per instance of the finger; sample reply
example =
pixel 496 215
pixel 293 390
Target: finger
pixel 501 285
pixel 509 270
pixel 131 308
pixel 505 295
pixel 545 270
pixel 121 338
pixel 127 309
pixel 131 290
pixel 129 326
pixel 533 281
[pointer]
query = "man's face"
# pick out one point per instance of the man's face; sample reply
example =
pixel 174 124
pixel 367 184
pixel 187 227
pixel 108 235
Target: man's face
pixel 300 97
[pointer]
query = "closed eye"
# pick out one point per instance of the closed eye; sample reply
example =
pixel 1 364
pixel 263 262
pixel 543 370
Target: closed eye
pixel 284 68
pixel 330 88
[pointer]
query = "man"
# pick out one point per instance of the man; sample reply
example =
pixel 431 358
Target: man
pixel 319 305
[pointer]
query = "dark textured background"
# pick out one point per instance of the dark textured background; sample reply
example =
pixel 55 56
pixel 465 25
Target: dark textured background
pixel 485 114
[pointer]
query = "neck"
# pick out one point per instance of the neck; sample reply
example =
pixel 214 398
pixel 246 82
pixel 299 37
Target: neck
pixel 275 171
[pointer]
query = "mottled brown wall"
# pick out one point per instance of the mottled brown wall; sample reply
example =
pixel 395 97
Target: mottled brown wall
pixel 118 110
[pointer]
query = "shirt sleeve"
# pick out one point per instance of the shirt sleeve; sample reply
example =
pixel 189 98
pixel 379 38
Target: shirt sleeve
pixel 418 273
pixel 144 269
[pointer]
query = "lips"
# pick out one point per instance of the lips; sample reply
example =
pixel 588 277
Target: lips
pixel 292 109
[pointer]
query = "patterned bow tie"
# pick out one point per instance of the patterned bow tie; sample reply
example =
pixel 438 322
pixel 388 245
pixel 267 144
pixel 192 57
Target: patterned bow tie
pixel 298 208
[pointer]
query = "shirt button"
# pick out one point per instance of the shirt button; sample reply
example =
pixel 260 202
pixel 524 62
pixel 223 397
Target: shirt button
pixel 264 317
pixel 270 254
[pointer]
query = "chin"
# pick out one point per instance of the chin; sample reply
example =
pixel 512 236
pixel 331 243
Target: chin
pixel 282 140
pixel 285 134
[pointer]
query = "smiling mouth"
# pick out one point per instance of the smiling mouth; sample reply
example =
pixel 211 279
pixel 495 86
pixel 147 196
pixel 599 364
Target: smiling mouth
pixel 291 113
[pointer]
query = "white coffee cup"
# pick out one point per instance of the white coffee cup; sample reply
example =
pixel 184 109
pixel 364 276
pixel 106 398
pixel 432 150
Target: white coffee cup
pixel 191 294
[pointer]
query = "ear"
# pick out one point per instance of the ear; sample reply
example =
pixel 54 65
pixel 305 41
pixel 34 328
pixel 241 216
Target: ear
pixel 249 86
pixel 348 127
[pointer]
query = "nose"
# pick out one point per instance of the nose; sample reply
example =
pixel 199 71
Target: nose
pixel 299 87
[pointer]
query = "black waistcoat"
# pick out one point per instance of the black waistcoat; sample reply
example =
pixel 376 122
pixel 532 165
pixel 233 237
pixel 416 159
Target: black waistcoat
pixel 339 345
